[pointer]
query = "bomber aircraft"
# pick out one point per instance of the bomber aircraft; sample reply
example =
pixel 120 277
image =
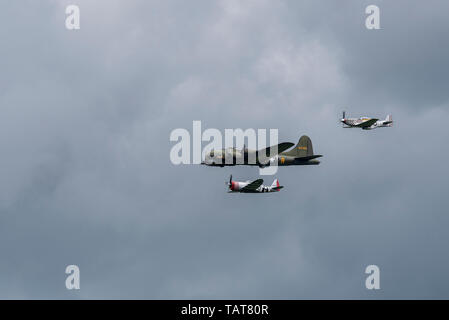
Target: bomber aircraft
pixel 366 123
pixel 301 154
pixel 245 156
pixel 255 186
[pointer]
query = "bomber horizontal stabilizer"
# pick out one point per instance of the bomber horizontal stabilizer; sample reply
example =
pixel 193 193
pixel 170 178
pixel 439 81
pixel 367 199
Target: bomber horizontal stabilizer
pixel 306 158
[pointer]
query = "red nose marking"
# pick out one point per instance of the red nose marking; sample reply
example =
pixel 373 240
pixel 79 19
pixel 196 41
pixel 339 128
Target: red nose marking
pixel 232 185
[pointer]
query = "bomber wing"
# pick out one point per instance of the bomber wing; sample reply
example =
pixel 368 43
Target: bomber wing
pixel 367 123
pixel 252 186
pixel 281 147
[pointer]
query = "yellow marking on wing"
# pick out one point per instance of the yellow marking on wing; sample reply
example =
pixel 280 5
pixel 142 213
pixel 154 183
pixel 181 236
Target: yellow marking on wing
pixel 282 160
pixel 302 148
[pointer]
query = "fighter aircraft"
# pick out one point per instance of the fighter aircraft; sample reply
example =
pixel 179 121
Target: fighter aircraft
pixel 245 156
pixel 255 186
pixel 301 154
pixel 366 123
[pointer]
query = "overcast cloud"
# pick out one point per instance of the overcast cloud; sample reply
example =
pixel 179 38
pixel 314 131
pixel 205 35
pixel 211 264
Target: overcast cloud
pixel 85 174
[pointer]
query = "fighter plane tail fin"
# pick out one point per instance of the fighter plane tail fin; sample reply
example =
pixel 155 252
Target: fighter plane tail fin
pixel 275 185
pixel 389 119
pixel 303 148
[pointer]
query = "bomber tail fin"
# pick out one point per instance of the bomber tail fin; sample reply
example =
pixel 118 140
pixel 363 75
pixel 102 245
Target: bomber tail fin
pixel 303 149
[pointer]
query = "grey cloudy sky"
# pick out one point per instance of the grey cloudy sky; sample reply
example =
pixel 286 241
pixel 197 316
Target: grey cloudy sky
pixel 85 175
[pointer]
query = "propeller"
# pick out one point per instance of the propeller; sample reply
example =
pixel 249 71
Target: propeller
pixel 343 118
pixel 229 184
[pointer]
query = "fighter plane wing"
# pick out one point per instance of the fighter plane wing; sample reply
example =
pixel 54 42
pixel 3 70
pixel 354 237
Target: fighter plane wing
pixel 367 123
pixel 281 148
pixel 252 186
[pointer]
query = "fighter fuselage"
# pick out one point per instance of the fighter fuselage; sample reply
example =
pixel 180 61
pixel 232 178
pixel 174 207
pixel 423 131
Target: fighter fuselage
pixel 366 123
pixel 238 186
